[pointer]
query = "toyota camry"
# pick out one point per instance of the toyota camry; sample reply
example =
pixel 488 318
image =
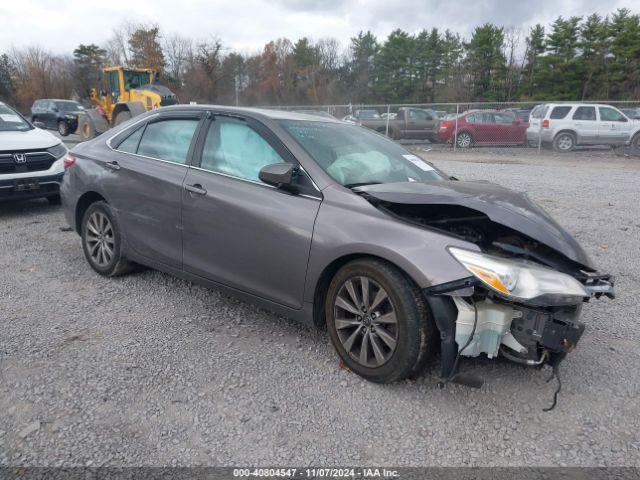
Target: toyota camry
pixel 332 224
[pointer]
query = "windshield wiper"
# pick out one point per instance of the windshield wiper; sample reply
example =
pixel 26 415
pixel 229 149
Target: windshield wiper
pixel 361 184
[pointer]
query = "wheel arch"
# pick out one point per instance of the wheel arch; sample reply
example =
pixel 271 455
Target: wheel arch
pixel 327 274
pixel 567 130
pixel 134 108
pixel 83 203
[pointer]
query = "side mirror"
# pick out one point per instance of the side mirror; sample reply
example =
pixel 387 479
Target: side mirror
pixel 279 175
pixel 39 124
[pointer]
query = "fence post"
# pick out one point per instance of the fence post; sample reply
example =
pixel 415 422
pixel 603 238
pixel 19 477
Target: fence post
pixel 539 137
pixel 388 112
pixel 455 131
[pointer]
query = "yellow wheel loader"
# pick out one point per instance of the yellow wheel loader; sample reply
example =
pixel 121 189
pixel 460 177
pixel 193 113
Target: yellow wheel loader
pixel 126 92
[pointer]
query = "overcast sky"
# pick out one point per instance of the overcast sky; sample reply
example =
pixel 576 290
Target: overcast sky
pixel 246 25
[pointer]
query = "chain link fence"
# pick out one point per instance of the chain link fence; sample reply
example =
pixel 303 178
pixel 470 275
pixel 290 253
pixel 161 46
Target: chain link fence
pixel 535 126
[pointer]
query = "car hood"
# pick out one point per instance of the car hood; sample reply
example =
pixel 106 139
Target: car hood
pixel 27 140
pixel 504 206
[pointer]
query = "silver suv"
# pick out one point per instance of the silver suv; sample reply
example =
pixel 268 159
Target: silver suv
pixel 567 125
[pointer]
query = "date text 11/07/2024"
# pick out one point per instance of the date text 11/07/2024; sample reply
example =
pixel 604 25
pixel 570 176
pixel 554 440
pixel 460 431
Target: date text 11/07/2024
pixel 316 473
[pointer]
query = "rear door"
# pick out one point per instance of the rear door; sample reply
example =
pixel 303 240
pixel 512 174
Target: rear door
pixel 144 184
pixel 239 231
pixel 507 129
pixel 48 116
pixel 613 128
pixel 482 127
pixel 585 122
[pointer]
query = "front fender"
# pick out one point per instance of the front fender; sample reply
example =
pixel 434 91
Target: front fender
pixel 348 225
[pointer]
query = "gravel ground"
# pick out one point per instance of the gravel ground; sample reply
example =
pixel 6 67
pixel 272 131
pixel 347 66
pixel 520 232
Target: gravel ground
pixel 150 370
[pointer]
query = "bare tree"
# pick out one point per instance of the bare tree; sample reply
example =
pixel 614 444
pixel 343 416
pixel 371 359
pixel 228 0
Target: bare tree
pixel 117 47
pixel 178 54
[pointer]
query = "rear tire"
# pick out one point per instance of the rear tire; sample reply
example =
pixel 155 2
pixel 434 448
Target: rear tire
pixel 464 140
pixel 101 241
pixel 635 143
pixel 564 142
pixel 381 340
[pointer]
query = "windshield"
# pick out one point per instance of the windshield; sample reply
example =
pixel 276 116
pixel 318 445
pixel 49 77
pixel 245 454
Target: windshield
pixel 365 114
pixel 354 156
pixel 135 79
pixel 69 106
pixel 12 121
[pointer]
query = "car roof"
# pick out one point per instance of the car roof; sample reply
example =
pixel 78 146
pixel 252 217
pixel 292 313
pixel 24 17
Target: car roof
pixel 257 112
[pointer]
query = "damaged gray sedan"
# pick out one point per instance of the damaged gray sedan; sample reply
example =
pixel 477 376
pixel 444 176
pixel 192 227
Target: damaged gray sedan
pixel 334 225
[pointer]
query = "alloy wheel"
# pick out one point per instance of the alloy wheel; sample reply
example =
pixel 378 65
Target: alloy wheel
pixel 100 239
pixel 366 322
pixel 464 140
pixel 565 142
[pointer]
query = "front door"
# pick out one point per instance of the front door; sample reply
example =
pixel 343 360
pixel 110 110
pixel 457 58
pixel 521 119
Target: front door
pixel 239 231
pixel 614 127
pixel 144 184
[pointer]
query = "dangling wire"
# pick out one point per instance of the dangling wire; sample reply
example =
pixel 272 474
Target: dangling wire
pixel 556 374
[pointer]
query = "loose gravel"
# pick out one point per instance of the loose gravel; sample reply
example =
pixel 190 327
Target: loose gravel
pixel 150 370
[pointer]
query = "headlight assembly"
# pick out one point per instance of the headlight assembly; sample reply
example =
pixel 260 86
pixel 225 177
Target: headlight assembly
pixel 57 150
pixel 521 281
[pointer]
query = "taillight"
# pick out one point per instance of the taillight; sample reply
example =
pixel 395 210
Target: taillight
pixel 69 160
pixel 445 125
pixel 545 123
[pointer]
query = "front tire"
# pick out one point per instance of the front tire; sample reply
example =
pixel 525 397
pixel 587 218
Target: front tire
pixel 378 321
pixel 122 117
pixel 63 128
pixel 101 241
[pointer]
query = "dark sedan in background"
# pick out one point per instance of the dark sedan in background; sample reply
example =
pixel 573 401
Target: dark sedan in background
pixel 333 224
pixel 60 115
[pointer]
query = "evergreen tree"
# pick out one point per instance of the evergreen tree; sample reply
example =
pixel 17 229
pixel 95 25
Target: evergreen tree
pixel 146 51
pixel 395 68
pixel 486 62
pixel 360 73
pixel 89 60
pixel 6 82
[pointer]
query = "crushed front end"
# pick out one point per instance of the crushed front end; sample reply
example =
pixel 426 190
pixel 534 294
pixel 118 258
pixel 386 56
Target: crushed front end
pixel 528 277
pixel 516 308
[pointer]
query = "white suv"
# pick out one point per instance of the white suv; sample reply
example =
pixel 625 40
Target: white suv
pixel 31 159
pixel 567 125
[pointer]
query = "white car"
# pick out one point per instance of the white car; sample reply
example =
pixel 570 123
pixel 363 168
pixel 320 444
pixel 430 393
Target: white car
pixel 32 161
pixel 567 125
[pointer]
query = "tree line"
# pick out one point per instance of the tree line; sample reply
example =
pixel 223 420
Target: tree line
pixel 575 58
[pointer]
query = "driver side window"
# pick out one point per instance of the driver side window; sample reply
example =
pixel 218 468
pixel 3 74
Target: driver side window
pixel 234 148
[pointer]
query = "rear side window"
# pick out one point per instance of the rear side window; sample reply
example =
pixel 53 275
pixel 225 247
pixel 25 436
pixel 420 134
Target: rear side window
pixel 503 118
pixel 559 112
pixel 585 113
pixel 165 140
pixel 130 144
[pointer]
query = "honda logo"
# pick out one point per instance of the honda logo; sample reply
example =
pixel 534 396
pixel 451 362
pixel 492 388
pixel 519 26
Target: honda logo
pixel 20 157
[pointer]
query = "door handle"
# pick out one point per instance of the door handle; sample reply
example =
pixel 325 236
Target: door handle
pixel 112 165
pixel 196 188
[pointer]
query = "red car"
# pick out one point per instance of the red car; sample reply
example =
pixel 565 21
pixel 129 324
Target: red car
pixel 483 127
